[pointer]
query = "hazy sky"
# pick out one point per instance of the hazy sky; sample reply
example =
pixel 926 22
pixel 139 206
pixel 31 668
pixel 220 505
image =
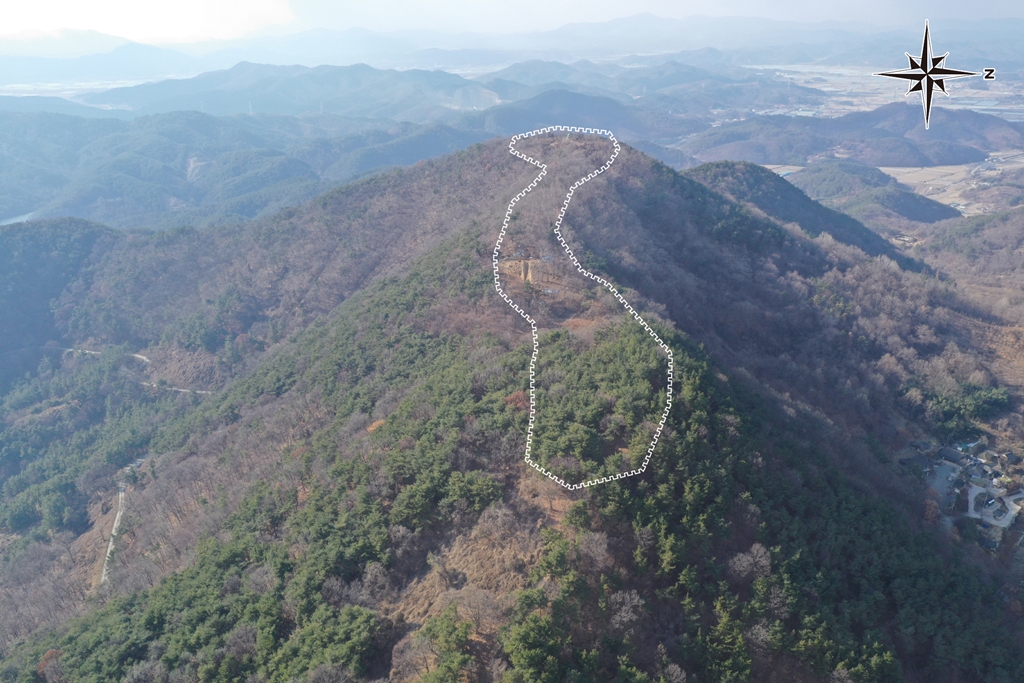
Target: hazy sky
pixel 186 20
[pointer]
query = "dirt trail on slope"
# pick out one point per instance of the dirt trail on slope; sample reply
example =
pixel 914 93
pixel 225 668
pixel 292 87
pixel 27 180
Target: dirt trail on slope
pixel 90 549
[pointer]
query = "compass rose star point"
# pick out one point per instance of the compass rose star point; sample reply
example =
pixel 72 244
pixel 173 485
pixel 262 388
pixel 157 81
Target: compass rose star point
pixel 926 74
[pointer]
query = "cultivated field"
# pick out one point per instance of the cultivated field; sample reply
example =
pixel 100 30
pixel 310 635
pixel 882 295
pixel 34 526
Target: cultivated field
pixel 957 186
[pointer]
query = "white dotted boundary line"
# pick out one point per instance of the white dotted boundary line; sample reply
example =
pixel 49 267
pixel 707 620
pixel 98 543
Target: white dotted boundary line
pixel 533 324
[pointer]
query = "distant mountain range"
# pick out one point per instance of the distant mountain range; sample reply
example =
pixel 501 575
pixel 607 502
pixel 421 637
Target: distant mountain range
pixel 892 135
pixel 359 90
pixel 740 41
pixel 674 88
pixel 284 134
pixel 189 168
pixel 156 155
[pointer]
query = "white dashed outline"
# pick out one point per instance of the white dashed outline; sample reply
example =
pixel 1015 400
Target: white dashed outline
pixel 533 324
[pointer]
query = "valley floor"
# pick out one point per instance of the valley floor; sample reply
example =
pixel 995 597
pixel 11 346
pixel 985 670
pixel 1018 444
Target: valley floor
pixel 950 184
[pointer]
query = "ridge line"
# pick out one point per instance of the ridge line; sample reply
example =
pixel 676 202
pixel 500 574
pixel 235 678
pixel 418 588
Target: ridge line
pixel 607 285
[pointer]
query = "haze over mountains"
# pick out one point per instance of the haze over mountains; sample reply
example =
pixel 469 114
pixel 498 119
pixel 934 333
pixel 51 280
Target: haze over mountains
pixel 286 133
pixel 893 135
pixel 263 414
pixel 732 40
pixel 189 168
pixel 194 168
pixel 294 131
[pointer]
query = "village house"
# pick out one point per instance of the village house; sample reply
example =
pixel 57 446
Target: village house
pixel 985 480
pixel 952 455
pixel 912 458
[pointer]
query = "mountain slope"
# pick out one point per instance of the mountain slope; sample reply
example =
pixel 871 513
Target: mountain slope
pixel 887 136
pixel 866 193
pixel 778 198
pixel 342 159
pixel 562 107
pixel 40 151
pixel 36 264
pixel 189 168
pixel 672 158
pixel 358 468
pixel 908 205
pixel 839 179
pixel 358 90
pixel 361 533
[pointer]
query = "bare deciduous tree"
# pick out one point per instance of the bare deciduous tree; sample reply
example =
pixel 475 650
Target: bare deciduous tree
pixel 593 550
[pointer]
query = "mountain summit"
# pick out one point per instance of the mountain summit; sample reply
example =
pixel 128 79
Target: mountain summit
pixel 349 500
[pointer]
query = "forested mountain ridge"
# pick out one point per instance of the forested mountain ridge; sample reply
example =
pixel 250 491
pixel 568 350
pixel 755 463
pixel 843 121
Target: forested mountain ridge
pixel 891 135
pixel 166 167
pixel 190 168
pixel 35 267
pixel 856 189
pixel 421 96
pixel 358 471
pixel 357 90
pixel 233 144
pixel 746 182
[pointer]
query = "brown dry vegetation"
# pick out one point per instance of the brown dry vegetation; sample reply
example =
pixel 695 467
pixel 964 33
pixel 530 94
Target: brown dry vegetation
pixel 828 334
pixel 750 300
pixel 276 275
pixel 979 260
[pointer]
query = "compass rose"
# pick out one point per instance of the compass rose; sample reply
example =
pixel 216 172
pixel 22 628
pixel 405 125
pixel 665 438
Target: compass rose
pixel 926 73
